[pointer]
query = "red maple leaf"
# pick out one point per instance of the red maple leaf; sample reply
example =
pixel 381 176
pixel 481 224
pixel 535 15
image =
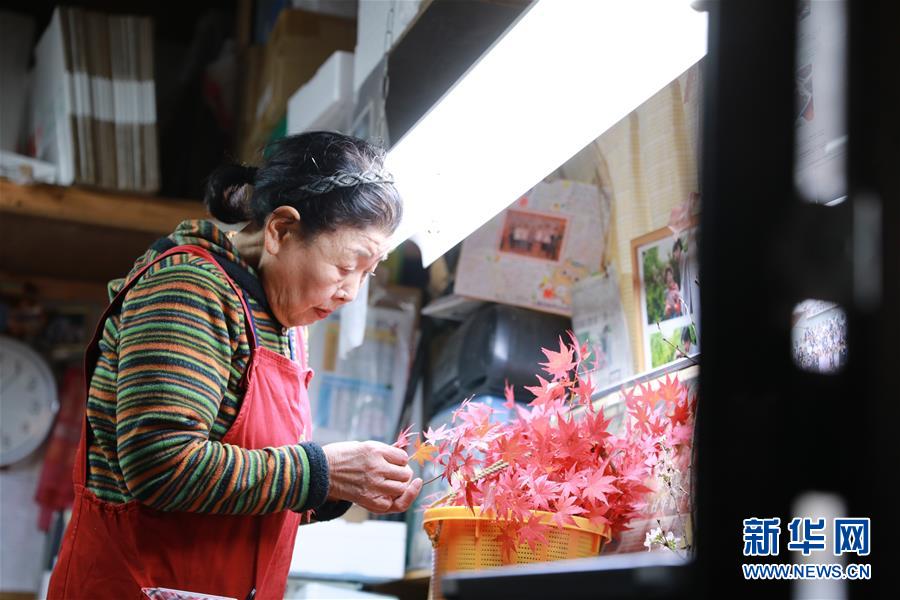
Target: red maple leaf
pixel 509 394
pixel 558 364
pixel 565 508
pixel 546 393
pixel 570 440
pixel 433 436
pixel 462 407
pixel 671 390
pixel 641 412
pixel 470 488
pixel 543 491
pixel 572 482
pixel 682 411
pixel 597 425
pixel 532 532
pixel 509 541
pixel 584 389
pixel 598 485
pixel 467 465
pixel 597 515
pixel 511 448
pixel 403 438
pixel 477 415
pixel 658 425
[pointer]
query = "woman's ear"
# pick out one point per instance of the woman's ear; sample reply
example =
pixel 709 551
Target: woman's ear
pixel 281 225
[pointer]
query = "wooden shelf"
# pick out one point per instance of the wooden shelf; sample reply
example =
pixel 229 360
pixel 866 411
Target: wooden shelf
pixel 85 206
pixel 57 236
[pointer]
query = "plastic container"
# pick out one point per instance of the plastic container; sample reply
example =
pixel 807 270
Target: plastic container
pixel 464 541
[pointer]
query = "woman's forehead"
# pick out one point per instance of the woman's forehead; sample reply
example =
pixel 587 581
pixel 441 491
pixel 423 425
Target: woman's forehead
pixel 362 243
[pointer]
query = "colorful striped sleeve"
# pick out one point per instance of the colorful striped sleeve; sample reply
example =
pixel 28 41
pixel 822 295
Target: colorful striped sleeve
pixel 177 340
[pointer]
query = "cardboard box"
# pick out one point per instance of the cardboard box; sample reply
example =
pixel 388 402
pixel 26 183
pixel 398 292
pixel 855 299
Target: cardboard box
pixel 251 74
pixel 300 43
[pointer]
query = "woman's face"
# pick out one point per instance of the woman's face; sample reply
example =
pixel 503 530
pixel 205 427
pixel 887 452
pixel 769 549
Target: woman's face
pixel 670 278
pixel 305 280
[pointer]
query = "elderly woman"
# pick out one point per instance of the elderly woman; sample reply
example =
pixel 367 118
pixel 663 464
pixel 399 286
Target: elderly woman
pixel 195 464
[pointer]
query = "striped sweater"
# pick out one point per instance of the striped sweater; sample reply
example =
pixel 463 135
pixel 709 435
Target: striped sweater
pixel 166 390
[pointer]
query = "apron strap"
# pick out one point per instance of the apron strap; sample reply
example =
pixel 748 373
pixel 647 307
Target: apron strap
pixel 92 353
pixel 250 284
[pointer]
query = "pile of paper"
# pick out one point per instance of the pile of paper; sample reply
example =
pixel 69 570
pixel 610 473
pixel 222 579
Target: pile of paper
pixel 94 104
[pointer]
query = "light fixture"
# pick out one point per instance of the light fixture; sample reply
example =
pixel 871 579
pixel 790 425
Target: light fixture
pixel 564 73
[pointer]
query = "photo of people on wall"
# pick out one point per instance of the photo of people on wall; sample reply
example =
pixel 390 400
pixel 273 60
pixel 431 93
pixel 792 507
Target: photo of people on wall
pixel 533 234
pixel 669 279
pixel 667 288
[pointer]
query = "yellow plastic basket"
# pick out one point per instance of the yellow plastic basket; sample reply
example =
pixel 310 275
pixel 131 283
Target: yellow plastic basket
pixel 464 541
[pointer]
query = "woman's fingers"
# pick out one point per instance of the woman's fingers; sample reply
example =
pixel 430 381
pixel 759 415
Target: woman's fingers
pixel 377 504
pixel 372 474
pixel 394 455
pixel 405 500
pixel 395 473
pixel 391 489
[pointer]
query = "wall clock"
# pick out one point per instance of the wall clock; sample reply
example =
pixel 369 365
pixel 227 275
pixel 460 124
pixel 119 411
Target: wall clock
pixel 28 400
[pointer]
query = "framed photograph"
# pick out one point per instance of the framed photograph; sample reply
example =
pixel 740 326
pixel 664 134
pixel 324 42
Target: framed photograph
pixel 667 292
pixel 533 234
pixel 819 336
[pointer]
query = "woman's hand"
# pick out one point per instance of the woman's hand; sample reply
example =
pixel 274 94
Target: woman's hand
pixel 371 474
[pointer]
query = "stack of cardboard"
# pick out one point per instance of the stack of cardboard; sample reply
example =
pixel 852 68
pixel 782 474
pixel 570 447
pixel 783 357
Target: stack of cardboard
pixel 94 105
pixel 300 43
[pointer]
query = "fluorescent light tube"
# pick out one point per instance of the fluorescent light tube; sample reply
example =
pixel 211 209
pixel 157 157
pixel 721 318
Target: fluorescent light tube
pixel 564 73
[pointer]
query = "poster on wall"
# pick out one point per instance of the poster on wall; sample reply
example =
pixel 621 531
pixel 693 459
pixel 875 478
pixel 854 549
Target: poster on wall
pixel 533 253
pixel 359 396
pixel 599 321
pixel 667 289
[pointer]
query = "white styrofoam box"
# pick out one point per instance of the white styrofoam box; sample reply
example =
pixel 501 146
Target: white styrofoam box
pixel 314 590
pixel 24 169
pixel 376 17
pixel 325 101
pixel 369 551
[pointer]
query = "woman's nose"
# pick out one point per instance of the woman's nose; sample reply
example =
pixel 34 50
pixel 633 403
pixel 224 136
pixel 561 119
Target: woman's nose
pixel 350 289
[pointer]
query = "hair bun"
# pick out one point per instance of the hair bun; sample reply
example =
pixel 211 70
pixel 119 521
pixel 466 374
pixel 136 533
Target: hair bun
pixel 228 193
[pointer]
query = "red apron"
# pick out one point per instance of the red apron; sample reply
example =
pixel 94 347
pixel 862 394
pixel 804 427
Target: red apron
pixel 114 550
